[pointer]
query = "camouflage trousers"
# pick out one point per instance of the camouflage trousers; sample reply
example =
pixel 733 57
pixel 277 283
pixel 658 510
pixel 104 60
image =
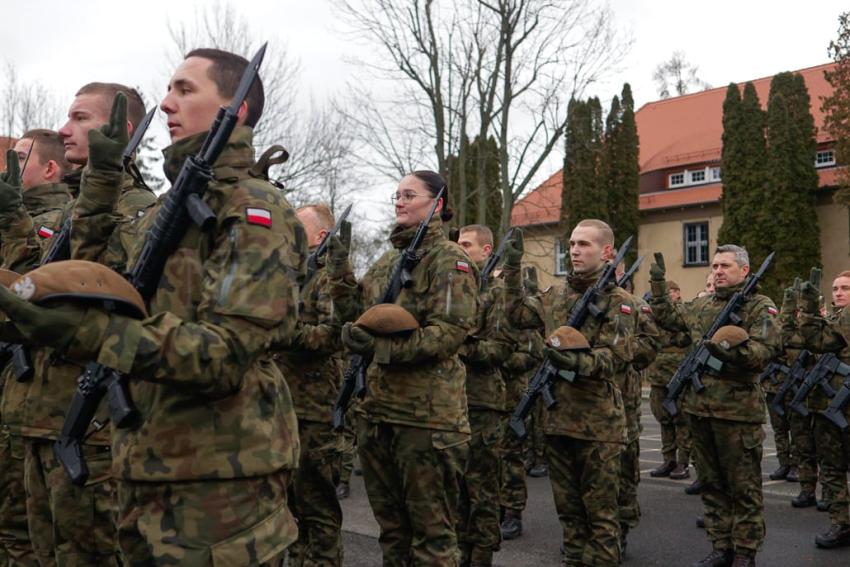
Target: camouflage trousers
pixel 833 447
pixel 803 439
pixel 584 476
pixel 786 453
pixel 479 534
pixel 536 436
pixel 15 541
pixel 348 447
pixel 313 498
pixel 627 495
pixel 728 455
pixel 242 521
pixel 513 492
pixel 413 479
pixel 70 525
pixel 675 435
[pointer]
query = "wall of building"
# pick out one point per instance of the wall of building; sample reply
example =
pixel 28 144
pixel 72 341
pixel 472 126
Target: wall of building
pixel 539 242
pixel 834 240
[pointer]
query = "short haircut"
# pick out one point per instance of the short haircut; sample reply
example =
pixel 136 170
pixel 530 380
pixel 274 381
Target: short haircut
pixel 323 214
pixel 482 233
pixel 48 147
pixel 226 71
pixel 606 235
pixel 673 285
pixel 844 274
pixel 742 257
pixel 135 104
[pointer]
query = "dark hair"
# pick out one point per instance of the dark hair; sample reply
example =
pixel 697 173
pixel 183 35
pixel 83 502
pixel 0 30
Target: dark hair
pixel 48 147
pixel 434 182
pixel 135 104
pixel 226 71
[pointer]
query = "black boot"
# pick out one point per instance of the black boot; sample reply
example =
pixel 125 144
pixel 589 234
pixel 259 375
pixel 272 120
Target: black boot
pixel 744 558
pixel 804 500
pixel 823 506
pixel 681 472
pixel 538 471
pixel 837 536
pixel 781 473
pixel 701 522
pixel 694 488
pixel 511 526
pixel 717 558
pixel 664 470
pixel 793 474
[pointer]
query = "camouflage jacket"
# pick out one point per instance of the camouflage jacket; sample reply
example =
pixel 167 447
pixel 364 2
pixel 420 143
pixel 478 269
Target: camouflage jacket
pixel 591 407
pixel 419 380
pixel 486 348
pixel 313 364
pixel 822 335
pixel 25 235
pixel 647 341
pixel 733 393
pixel 520 366
pixel 213 402
pixel 673 349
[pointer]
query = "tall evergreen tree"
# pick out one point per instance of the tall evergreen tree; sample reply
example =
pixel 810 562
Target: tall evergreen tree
pixel 470 214
pixel 788 217
pixel 621 169
pixel 583 193
pixel 836 106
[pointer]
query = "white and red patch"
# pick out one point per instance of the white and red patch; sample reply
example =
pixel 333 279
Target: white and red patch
pixel 772 310
pixel 262 217
pixel 646 309
pixel 45 232
pixel 627 309
pixel 462 266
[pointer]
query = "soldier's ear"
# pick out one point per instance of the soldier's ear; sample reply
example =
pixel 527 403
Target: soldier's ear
pixel 242 113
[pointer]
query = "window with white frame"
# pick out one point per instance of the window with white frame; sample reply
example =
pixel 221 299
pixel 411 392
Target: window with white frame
pixel 695 236
pixel 715 173
pixel 698 176
pixel 561 255
pixel 825 158
pixel 701 176
pixel 677 179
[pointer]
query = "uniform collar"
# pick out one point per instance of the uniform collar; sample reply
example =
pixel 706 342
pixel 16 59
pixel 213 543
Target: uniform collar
pixel 73 179
pixel 724 293
pixel 401 237
pixel 238 154
pixel 43 197
pixel 581 282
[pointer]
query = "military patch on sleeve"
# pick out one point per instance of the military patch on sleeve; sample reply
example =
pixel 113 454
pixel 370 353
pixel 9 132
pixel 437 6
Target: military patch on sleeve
pixel 626 309
pixel 45 232
pixel 262 217
pixel 646 309
pixel 772 310
pixel 462 266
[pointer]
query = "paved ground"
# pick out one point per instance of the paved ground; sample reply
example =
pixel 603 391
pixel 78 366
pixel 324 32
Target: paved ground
pixel 667 534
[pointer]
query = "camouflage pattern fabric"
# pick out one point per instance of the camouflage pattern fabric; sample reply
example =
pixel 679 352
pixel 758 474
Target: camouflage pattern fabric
pixel 627 496
pixel 675 435
pixel 728 455
pixel 313 498
pixel 413 480
pixel 70 525
pixel 25 234
pixel 537 435
pixel 803 436
pixel 781 425
pixel 15 541
pixel 584 477
pixel 348 448
pixel 479 534
pixel 217 523
pixel 833 447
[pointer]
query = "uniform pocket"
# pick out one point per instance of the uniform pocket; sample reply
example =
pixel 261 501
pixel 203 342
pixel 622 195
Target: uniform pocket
pixel 752 437
pixel 447 439
pixel 258 544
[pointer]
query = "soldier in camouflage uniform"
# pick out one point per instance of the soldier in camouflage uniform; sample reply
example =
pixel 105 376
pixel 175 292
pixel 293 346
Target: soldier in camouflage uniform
pixel 31 203
pixel 675 436
pixel 786 453
pixel 586 430
pixel 486 348
pixel 830 334
pixel 413 428
pixel 518 370
pixel 726 417
pixel 313 370
pixel 203 479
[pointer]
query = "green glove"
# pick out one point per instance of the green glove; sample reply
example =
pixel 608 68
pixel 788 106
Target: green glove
pixel 10 185
pixel 514 250
pixel 562 359
pixel 530 280
pixel 358 340
pixel 810 293
pixel 338 250
pixel 657 270
pixel 107 143
pixel 789 297
pixel 56 326
pixel 730 356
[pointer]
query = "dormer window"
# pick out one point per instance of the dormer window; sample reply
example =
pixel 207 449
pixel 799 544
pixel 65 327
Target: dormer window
pixel 677 180
pixel 825 158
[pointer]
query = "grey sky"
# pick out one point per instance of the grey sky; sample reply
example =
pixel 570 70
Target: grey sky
pixel 66 44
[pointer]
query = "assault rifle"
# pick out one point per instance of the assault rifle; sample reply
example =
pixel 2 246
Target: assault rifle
pixel 699 360
pixel 493 261
pixel 540 385
pixel 354 379
pixel 793 376
pixel 771 370
pixel 827 365
pixel 835 411
pixel 181 206
pixel 322 248
pixel 629 274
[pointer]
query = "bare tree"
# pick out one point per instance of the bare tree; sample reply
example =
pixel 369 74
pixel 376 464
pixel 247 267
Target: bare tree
pixel 27 105
pixel 677 76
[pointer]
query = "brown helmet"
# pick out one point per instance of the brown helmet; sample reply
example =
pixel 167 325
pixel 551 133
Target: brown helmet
pixel 386 319
pixel 567 338
pixel 7 277
pixel 729 336
pixel 74 280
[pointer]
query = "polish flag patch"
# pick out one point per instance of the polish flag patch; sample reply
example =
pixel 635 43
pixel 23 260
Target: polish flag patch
pixel 462 266
pixel 772 311
pixel 646 309
pixel 626 309
pixel 262 217
pixel 45 232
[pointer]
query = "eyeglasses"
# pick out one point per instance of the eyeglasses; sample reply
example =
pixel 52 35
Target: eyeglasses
pixel 407 196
